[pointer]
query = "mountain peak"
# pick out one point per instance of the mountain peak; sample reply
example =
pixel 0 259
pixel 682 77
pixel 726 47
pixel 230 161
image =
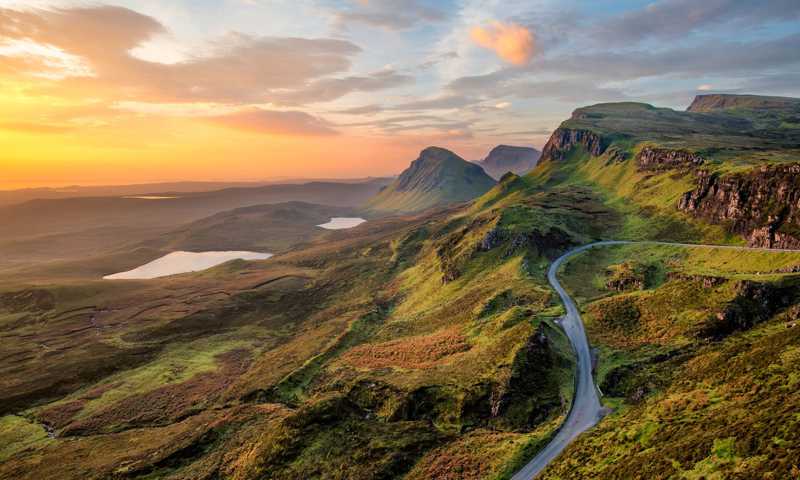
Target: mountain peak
pixel 509 158
pixel 436 152
pixel 437 177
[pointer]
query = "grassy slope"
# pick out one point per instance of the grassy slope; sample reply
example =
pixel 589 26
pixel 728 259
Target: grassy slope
pixel 419 346
pixel 687 407
pixel 730 140
pixel 208 373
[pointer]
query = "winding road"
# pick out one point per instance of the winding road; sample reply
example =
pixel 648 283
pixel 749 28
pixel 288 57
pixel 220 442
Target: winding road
pixel 586 410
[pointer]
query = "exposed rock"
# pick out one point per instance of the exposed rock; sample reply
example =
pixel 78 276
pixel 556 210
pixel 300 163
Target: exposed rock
pixel 615 155
pixel 659 159
pixel 564 140
pixel 707 281
pixel 545 243
pixel 763 204
pixel 754 303
pixel 493 239
pixel 628 276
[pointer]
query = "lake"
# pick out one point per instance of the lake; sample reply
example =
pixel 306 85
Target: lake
pixel 183 262
pixel 342 223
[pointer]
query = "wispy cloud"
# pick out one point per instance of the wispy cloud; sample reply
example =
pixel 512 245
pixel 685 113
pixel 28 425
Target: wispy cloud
pixel 276 123
pixel 389 14
pixel 668 19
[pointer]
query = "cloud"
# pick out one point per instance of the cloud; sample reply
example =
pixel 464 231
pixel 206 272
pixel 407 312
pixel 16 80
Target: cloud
pixel 43 61
pixel 332 88
pixel 236 68
pixel 677 18
pixel 582 76
pixel 389 14
pixel 445 102
pixel 276 123
pixel 718 58
pixel 510 41
pixel 787 83
pixel 705 87
pixel 567 90
pixel 363 110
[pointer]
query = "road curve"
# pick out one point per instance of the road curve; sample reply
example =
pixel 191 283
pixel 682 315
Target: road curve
pixel 586 410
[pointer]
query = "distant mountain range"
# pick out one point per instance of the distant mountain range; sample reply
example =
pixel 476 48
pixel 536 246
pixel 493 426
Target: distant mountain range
pixel 506 158
pixel 437 177
pixel 10 197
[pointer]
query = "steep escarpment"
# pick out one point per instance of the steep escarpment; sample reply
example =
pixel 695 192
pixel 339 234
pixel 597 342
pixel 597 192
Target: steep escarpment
pixel 565 139
pixel 763 204
pixel 729 162
pixel 660 159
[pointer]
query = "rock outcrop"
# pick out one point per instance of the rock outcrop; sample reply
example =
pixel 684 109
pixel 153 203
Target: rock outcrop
pixel 628 276
pixel 707 281
pixel 763 204
pixel 754 303
pixel 547 243
pixel 654 159
pixel 564 140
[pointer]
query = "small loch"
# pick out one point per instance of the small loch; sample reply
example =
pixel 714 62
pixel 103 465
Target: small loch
pixel 342 223
pixel 184 262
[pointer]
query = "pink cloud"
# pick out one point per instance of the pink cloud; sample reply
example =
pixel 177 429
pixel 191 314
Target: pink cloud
pixel 510 41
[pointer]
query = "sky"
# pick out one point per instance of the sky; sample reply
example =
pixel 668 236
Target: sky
pixel 131 91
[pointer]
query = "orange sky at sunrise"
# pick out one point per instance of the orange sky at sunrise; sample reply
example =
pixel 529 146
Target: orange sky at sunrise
pixel 133 91
pixel 107 94
pixel 56 139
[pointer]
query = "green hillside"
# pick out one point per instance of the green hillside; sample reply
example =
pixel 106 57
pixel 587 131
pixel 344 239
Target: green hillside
pixel 427 345
pixel 438 177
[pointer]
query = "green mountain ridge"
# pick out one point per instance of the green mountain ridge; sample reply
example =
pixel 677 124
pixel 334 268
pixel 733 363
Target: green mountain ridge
pixel 427 345
pixel 438 177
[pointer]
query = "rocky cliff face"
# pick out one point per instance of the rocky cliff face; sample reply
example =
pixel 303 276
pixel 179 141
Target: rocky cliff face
pixel 762 204
pixel 659 159
pixel 565 139
pixel 754 303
